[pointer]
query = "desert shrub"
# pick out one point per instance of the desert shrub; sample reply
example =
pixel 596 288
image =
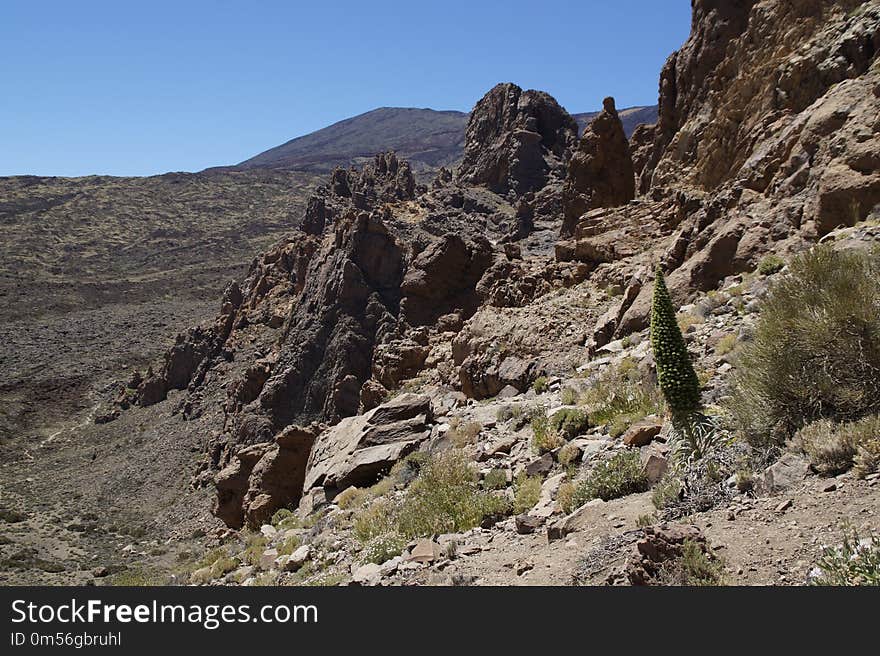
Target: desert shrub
pixel 695 566
pixel 666 492
pixel 835 448
pixel 621 397
pixel 527 491
pixel 569 396
pixel 815 352
pixel 856 561
pixel 616 477
pixel 770 265
pixel 745 480
pixel 545 437
pixel 568 455
pixel 137 578
pixel 566 496
pixel 289 545
pixel 463 434
pixel 675 373
pixel 281 515
pixel 504 413
pixel 446 498
pixel 350 497
pixel 375 519
pixel 725 345
pixel 255 545
pixel 645 520
pixel 495 479
pixel 383 547
pixel 540 384
pixel 569 422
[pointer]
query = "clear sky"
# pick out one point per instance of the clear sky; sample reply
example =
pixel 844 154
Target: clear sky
pixel 136 88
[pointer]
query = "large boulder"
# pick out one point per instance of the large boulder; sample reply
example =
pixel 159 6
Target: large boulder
pixel 263 478
pixel 358 450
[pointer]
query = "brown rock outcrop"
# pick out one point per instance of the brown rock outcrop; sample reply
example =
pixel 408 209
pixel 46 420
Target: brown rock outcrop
pixel 515 139
pixel 600 172
pixel 359 449
pixel 263 478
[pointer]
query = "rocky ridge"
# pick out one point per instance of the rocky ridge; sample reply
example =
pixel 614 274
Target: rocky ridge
pixel 404 321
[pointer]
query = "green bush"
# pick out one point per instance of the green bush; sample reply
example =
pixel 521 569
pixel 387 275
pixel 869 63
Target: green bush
pixel 613 478
pixel 383 547
pixel 569 396
pixel 446 498
pixel 540 384
pixel 675 373
pixel 815 352
pixel 770 265
pixel 694 567
pixel 569 422
pixel 527 491
pixel 545 437
pixel 495 479
pixel 835 448
pixel 855 562
pixel 621 397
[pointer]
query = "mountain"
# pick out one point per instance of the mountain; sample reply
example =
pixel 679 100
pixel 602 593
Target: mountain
pixel 427 138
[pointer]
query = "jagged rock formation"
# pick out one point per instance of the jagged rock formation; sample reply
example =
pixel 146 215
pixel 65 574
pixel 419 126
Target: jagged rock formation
pixel 515 139
pixel 766 124
pixel 600 172
pixel 767 140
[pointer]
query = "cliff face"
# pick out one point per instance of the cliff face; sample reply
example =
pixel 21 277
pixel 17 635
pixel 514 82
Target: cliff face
pixel 766 141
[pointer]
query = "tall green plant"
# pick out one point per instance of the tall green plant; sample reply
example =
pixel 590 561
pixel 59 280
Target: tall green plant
pixel 675 373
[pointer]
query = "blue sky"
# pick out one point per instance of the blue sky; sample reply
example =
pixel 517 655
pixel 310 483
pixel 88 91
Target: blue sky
pixel 137 88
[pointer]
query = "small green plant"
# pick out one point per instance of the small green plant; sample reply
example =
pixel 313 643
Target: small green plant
pixel 464 434
pixel 666 492
pixel 568 455
pixel 569 396
pixel 527 491
pixel 545 437
pixel 725 345
pixel 281 515
pixel 569 422
pixel 770 264
pixel 374 519
pixel 646 520
pixel 255 545
pixel 383 547
pixel 616 477
pixel 289 545
pixel 621 397
pixel 835 448
pixel 745 480
pixel 566 496
pixel 495 479
pixel 446 498
pixel 695 567
pixel 675 373
pixel 350 497
pixel 540 384
pixel 856 561
pixel 695 439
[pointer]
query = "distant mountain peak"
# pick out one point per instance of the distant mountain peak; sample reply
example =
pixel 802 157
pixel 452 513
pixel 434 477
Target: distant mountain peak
pixel 428 138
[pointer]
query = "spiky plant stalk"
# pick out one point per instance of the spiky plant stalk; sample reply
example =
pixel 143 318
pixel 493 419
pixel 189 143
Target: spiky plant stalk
pixel 675 373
